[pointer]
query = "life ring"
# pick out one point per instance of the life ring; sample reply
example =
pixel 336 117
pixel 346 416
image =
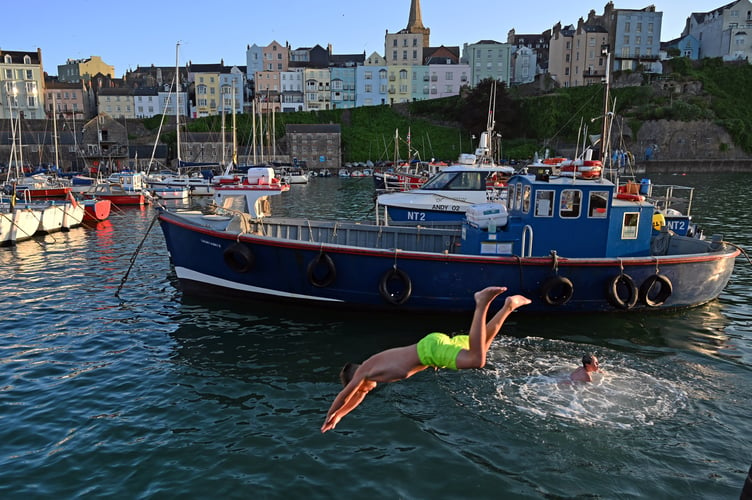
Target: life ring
pixel 622 282
pixel 329 276
pixel 557 291
pixel 239 258
pixel 399 297
pixel 630 197
pixel 658 298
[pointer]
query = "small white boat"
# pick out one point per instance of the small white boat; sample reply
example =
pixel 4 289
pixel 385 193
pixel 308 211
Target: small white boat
pixel 171 192
pixel 17 224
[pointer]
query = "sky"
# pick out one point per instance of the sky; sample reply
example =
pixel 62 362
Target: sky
pixel 152 29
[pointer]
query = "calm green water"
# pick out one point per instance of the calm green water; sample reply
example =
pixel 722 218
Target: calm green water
pixel 155 395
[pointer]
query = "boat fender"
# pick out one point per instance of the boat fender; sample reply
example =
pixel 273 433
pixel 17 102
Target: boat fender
pixel 653 298
pixel 616 285
pixel 330 274
pixel 239 258
pixel 399 297
pixel 557 291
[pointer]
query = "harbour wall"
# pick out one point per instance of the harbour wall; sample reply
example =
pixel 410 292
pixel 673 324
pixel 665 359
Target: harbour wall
pixel 705 165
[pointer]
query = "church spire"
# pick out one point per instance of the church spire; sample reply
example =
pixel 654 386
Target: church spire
pixel 415 22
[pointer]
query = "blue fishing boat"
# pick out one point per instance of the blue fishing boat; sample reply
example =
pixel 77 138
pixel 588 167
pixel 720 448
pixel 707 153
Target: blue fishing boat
pixel 570 244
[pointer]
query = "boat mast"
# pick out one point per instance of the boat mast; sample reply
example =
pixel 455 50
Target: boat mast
pixel 253 128
pixel 177 102
pixel 223 129
pixel 54 126
pixel 234 128
pixel 605 139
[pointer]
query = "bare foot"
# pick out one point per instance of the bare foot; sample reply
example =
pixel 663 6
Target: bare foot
pixel 516 301
pixel 486 295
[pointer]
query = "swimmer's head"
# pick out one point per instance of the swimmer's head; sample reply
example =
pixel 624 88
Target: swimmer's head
pixel 347 373
pixel 589 359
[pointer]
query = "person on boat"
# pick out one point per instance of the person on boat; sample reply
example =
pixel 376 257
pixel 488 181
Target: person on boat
pixel 436 350
pixel 583 373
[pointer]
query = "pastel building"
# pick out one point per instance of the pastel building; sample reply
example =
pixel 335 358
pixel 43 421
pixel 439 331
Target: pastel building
pixel 291 98
pixel 75 70
pixel 488 59
pixel 371 79
pixel 317 89
pixel 725 32
pixel 71 101
pixel 21 84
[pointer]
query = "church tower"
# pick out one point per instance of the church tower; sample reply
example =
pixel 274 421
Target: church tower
pixel 415 22
pixel 406 46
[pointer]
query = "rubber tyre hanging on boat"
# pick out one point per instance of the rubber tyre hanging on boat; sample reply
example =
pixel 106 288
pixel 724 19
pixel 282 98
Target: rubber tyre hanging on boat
pixel 655 299
pixel 557 291
pixel 399 297
pixel 620 283
pixel 239 258
pixel 329 276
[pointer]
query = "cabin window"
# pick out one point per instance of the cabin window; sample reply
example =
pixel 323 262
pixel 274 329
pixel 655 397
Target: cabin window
pixel 467 181
pixel 518 197
pixel 544 203
pixel 629 226
pixel 511 190
pixel 570 203
pixel 526 199
pixel 598 204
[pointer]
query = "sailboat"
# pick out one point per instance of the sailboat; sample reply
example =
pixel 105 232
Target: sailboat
pixel 197 184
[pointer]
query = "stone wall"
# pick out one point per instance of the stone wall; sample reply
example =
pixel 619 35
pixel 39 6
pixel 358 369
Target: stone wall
pixel 685 141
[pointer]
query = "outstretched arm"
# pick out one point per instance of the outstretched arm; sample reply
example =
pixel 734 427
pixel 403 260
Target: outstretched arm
pixel 347 400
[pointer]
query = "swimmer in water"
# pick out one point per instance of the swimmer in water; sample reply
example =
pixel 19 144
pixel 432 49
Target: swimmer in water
pixel 589 365
pixel 436 350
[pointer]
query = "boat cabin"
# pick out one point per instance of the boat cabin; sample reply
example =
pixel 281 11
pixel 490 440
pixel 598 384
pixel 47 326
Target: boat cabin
pixel 574 217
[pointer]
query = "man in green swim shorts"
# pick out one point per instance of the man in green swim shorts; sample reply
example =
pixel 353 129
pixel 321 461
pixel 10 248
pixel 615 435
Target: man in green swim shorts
pixel 436 349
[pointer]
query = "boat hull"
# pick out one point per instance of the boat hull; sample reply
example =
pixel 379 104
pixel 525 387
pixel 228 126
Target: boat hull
pixel 315 268
pixel 96 210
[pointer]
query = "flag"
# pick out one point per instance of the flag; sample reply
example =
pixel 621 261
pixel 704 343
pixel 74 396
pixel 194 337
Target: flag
pixel 72 199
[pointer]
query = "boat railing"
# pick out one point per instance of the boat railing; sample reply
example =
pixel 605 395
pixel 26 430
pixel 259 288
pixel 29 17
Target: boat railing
pixel 325 232
pixel 671 197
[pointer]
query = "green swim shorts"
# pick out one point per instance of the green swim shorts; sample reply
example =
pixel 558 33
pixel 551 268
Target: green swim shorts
pixel 440 350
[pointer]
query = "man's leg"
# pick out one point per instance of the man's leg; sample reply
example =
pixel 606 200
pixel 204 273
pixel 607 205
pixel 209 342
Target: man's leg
pixel 494 325
pixel 475 357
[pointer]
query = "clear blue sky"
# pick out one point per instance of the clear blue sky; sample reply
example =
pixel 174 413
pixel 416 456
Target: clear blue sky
pixel 77 32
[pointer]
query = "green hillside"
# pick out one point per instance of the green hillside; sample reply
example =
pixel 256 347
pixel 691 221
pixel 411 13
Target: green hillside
pixel 444 128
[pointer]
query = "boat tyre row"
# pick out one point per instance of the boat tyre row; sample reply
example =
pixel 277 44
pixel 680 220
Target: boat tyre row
pixel 395 286
pixel 622 292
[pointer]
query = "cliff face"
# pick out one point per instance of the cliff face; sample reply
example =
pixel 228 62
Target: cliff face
pixel 676 140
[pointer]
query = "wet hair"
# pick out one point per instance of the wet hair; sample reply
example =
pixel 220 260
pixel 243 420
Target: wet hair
pixel 347 373
pixel 587 359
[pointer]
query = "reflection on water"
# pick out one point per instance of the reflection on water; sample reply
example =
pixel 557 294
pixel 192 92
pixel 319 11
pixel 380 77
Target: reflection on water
pixel 151 391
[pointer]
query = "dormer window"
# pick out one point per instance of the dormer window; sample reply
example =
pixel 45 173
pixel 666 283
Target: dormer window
pixel 8 59
pixel 27 59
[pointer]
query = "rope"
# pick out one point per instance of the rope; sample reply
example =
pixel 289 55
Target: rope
pixel 749 261
pixel 135 254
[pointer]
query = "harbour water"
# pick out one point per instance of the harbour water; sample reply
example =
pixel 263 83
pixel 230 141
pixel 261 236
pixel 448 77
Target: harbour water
pixel 117 385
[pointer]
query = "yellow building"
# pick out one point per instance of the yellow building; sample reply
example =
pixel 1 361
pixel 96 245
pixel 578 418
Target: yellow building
pixel 207 86
pixel 75 70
